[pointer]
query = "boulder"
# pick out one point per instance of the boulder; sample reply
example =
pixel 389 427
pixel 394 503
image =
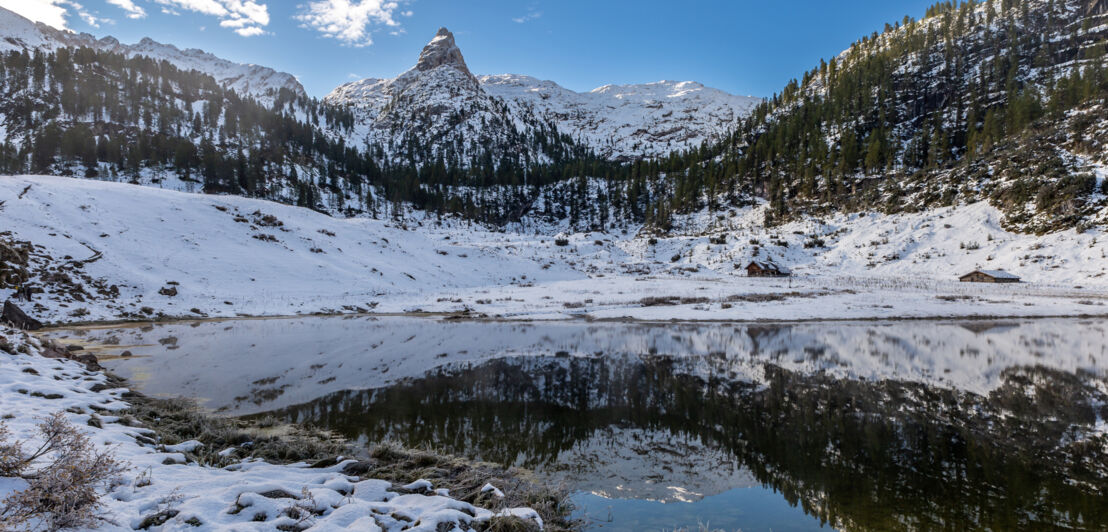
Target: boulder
pixel 18 319
pixel 89 360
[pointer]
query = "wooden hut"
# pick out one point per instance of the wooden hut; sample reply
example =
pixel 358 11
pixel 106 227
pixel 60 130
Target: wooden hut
pixel 989 276
pixel 765 268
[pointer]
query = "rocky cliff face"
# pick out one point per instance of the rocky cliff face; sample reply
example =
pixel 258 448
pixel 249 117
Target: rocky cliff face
pixel 442 51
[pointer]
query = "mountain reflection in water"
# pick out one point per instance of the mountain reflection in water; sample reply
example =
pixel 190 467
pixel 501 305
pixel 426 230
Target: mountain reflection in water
pixel 869 426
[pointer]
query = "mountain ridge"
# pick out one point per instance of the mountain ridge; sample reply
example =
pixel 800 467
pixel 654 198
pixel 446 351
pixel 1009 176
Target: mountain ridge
pixel 618 122
pixel 256 81
pixel 627 121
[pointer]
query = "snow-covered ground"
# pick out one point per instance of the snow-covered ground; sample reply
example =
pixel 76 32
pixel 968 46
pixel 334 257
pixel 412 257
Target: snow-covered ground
pixel 181 254
pixel 237 497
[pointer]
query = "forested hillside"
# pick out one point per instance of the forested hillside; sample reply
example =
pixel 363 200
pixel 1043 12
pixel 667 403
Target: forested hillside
pixel 1001 101
pixel 90 113
pixel 1004 101
pixel 99 114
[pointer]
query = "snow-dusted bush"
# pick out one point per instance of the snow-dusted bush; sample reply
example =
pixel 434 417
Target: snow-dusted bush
pixel 62 476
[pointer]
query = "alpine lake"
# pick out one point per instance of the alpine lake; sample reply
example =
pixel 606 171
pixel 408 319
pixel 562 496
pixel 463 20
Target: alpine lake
pixel 892 425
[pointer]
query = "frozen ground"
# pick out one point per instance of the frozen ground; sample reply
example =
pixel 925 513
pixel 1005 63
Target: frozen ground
pixel 249 495
pixel 180 254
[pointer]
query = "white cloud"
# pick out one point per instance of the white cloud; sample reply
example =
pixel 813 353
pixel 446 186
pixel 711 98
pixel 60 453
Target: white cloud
pixel 250 31
pixel 533 13
pixel 93 20
pixel 129 6
pixel 206 7
pixel 246 17
pixel 349 20
pixel 52 12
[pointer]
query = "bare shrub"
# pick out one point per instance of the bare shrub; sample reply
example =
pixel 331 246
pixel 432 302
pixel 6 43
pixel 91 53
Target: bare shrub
pixel 661 301
pixel 62 489
pixel 14 258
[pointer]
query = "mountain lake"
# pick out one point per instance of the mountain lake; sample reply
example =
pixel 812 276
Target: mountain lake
pixel 700 426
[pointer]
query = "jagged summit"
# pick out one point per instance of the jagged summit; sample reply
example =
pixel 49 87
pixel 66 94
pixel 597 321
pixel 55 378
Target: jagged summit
pixel 442 50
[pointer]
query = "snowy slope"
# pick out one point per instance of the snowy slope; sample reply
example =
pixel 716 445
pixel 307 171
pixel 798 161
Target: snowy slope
pixel 617 122
pixel 18 33
pixel 628 121
pixel 231 256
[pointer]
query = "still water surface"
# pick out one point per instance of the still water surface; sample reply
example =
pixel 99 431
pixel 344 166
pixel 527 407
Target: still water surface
pixel 862 426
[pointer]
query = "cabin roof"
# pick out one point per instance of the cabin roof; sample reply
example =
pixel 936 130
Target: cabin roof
pixel 995 274
pixel 768 265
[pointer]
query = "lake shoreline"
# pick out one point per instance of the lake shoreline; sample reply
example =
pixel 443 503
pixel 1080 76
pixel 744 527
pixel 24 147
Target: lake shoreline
pixel 285 444
pixel 95 324
pixel 644 414
pixel 141 426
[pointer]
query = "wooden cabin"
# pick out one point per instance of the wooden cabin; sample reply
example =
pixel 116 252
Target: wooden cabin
pixel 765 268
pixel 989 276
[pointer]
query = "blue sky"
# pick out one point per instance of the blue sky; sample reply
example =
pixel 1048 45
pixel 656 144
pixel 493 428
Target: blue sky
pixel 740 46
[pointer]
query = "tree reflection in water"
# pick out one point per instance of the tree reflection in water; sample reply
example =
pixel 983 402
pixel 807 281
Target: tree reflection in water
pixel 876 425
pixel 856 454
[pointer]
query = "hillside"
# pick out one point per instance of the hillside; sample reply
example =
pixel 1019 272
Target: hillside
pixel 98 114
pixel 262 83
pixel 1001 101
pixel 97 251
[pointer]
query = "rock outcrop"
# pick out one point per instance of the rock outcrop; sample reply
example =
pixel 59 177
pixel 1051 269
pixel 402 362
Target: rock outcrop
pixel 443 51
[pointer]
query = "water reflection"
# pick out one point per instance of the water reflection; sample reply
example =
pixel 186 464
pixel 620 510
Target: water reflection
pixel 870 426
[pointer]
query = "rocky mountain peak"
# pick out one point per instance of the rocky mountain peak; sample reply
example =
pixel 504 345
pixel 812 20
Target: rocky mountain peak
pixel 442 50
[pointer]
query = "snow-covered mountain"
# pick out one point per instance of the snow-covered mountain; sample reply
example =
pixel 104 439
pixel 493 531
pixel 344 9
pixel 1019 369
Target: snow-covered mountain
pixel 440 102
pixel 628 121
pixel 18 33
pixel 439 110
